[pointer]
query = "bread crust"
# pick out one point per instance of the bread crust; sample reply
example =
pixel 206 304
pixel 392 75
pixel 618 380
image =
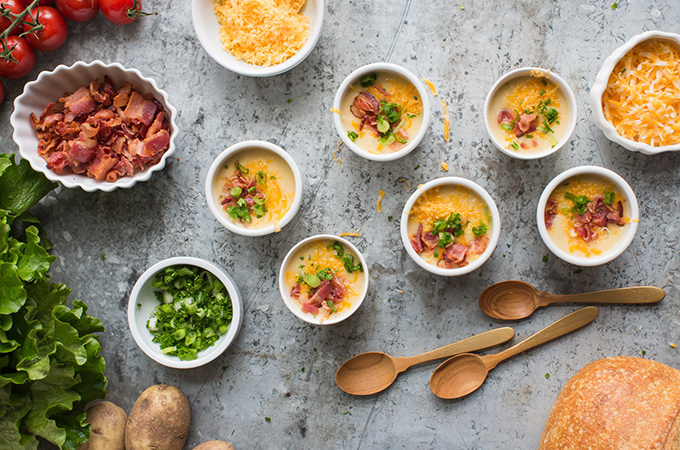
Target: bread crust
pixel 617 404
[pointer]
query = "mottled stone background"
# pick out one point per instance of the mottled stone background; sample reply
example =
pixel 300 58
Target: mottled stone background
pixel 284 369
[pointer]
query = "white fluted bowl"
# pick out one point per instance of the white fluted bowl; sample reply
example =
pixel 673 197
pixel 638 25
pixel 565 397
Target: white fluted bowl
pixel 50 86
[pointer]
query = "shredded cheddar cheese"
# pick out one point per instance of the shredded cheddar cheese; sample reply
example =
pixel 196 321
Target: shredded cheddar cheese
pixel 262 32
pixel 528 94
pixel 408 185
pixel 431 86
pixel 381 195
pixel 445 115
pixel 401 291
pixel 434 205
pixel 399 91
pixel 642 98
pixel 353 233
pixel 336 153
pixel 445 167
pixel 277 203
pixel 335 110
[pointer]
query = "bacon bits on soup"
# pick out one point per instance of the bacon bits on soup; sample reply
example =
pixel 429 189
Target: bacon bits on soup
pixel 586 215
pixel 381 112
pixel 529 114
pixel 256 188
pixel 324 278
pixel 449 226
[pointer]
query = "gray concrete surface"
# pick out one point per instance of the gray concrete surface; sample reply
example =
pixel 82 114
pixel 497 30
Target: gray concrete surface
pixel 284 369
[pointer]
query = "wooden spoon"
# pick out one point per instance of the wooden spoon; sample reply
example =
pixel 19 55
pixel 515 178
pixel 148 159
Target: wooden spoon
pixel 372 372
pixel 459 376
pixel 514 300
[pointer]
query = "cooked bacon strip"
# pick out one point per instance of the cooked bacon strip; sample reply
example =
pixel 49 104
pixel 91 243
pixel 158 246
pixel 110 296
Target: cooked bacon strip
pixel 506 115
pixel 526 124
pixel 320 293
pixel 339 291
pixel 295 292
pixel 479 245
pixel 455 253
pixel 364 104
pixel 417 240
pixel 550 213
pixel 430 241
pixel 586 232
pixel 139 109
pixel 396 145
pixel 79 103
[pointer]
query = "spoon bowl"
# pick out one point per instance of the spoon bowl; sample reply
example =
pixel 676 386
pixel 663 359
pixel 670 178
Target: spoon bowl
pixel 459 376
pixel 373 372
pixel 514 300
pixel 351 375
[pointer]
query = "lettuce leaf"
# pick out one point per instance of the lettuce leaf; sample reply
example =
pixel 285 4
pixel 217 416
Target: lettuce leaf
pixel 50 361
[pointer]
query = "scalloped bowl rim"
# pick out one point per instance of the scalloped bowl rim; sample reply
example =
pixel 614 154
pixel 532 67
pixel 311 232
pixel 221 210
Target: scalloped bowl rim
pixel 493 241
pixel 285 293
pixel 598 88
pixel 71 180
pixel 382 67
pixel 228 61
pixel 610 254
pixel 216 209
pixel 571 100
pixel 151 349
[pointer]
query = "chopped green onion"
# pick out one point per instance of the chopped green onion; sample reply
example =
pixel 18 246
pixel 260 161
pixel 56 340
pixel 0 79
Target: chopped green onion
pixel 507 126
pixel 311 280
pixel 480 230
pixel 352 136
pixel 261 177
pixel 514 146
pixel 236 191
pixel 368 80
pixel 242 169
pixel 609 197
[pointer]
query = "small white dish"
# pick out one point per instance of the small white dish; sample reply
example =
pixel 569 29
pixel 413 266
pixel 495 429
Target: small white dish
pixel 334 318
pixel 208 31
pixel 623 243
pixel 522 72
pixel 213 174
pixel 143 302
pixel 50 85
pixel 600 85
pixel 353 79
pixel 493 239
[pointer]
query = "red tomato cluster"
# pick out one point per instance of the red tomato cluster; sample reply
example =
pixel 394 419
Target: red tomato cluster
pixel 52 31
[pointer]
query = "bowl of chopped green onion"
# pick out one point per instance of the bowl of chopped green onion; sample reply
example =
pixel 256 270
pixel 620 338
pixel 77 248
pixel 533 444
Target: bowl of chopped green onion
pixel 530 113
pixel 184 312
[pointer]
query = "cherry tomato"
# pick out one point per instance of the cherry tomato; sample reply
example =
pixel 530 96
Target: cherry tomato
pixel 122 12
pixel 40 3
pixel 24 55
pixel 54 32
pixel 16 7
pixel 78 10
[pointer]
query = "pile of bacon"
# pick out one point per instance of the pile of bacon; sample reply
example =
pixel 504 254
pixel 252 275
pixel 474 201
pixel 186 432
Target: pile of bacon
pixel 246 184
pixel 366 107
pixel 316 302
pixel 524 124
pixel 597 214
pixel 102 133
pixel 453 254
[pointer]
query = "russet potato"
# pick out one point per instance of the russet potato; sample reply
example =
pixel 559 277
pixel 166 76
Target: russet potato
pixel 158 420
pixel 108 427
pixel 215 445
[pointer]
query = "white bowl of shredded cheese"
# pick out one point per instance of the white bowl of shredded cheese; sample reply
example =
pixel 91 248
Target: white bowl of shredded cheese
pixel 634 97
pixel 252 29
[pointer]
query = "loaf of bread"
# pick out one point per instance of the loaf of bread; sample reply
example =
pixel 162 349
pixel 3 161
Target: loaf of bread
pixel 619 404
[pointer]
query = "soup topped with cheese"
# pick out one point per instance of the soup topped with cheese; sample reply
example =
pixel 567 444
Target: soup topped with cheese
pixel 381 112
pixel 256 188
pixel 586 215
pixel 449 226
pixel 529 114
pixel 324 278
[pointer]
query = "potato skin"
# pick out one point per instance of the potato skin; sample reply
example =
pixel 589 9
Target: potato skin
pixel 159 420
pixel 108 427
pixel 215 445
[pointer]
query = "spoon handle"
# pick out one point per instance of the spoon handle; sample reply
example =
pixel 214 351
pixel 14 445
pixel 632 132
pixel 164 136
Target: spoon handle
pixel 473 343
pixel 565 325
pixel 627 295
